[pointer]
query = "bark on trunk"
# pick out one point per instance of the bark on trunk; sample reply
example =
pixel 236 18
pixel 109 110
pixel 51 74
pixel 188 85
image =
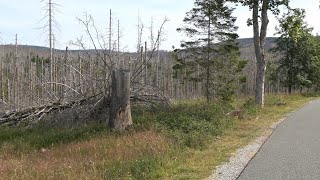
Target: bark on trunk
pixel 260 81
pixel 290 89
pixel 120 111
pixel 259 43
pixel 208 93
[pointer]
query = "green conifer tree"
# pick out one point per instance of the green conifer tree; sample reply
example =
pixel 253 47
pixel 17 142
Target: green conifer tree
pixel 210 53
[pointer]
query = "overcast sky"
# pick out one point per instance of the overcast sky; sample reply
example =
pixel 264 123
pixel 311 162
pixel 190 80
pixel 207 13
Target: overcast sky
pixel 24 17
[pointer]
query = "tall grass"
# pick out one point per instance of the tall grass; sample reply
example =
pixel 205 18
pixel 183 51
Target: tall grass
pixel 27 139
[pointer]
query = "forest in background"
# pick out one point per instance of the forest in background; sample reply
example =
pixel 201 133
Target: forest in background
pixel 25 75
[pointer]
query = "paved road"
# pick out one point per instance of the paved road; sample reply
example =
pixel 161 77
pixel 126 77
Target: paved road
pixel 293 150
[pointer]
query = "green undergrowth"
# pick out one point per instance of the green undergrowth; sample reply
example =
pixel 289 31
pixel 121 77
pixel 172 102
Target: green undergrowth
pixel 193 123
pixel 311 94
pixel 140 168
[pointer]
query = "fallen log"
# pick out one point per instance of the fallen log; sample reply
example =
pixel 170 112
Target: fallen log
pixel 33 115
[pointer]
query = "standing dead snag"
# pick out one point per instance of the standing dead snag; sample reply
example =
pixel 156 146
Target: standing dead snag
pixel 120 111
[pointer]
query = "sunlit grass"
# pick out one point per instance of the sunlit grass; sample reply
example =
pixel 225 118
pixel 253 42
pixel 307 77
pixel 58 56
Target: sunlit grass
pixel 105 156
pixel 199 164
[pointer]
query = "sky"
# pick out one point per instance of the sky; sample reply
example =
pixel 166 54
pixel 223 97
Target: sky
pixel 25 18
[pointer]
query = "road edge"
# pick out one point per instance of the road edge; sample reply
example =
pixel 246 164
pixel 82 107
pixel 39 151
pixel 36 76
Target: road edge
pixel 236 164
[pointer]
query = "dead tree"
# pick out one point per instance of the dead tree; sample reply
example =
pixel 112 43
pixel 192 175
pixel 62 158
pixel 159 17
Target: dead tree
pixel 120 111
pixel 50 26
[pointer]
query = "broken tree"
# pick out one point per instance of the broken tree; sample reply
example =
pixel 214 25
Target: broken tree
pixel 120 111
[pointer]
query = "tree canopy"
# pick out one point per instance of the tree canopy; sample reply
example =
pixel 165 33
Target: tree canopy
pixel 298 50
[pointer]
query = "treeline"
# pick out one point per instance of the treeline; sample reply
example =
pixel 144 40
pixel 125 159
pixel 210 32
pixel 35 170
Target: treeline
pixel 212 63
pixel 25 77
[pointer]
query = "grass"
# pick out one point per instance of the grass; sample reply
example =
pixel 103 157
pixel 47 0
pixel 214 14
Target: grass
pixel 191 124
pixel 25 140
pixel 184 141
pixel 111 156
pixel 198 164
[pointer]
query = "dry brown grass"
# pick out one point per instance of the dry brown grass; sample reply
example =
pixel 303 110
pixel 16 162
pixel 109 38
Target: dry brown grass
pixel 82 160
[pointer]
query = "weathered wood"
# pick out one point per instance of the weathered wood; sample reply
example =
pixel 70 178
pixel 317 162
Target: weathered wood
pixel 33 115
pixel 120 111
pixel 13 118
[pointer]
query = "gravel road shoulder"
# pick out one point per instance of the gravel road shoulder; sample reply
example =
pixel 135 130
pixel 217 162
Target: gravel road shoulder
pixel 237 163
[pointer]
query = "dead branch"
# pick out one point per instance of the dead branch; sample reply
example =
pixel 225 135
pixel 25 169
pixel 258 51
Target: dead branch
pixel 34 115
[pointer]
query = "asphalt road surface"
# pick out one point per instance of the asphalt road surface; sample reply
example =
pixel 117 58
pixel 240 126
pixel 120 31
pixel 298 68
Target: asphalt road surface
pixel 293 150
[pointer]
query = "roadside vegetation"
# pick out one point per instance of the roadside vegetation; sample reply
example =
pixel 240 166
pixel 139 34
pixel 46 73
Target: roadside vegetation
pixel 183 141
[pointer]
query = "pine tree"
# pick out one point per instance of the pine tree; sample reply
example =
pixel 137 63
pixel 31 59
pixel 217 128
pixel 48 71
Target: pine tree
pixel 211 46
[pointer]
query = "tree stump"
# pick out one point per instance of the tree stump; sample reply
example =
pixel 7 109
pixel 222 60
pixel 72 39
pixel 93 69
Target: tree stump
pixel 120 111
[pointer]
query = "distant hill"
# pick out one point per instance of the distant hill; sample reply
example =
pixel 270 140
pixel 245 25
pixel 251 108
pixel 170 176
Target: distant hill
pixel 245 44
pixel 11 47
pixel 248 42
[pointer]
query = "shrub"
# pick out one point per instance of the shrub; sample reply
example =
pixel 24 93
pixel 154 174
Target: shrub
pixel 192 125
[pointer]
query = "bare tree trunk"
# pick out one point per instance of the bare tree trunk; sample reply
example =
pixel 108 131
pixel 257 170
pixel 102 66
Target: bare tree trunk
pixel 50 41
pixel 9 89
pixel 2 80
pixel 120 111
pixel 110 44
pixel 259 42
pixel 208 94
pixel 53 65
pixel 145 63
pixel 15 73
